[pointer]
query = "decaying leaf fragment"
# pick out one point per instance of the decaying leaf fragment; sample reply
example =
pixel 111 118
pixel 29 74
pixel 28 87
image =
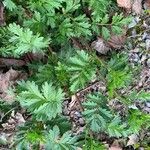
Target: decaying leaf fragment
pixel 117 41
pixel 147 4
pixel 100 46
pixel 125 3
pixel 16 119
pixel 6 81
pixel 115 146
pixel 2 22
pixel 137 6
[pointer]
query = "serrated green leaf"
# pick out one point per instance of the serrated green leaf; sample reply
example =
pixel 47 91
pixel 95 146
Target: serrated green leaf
pixel 82 70
pixel 105 33
pixel 55 142
pixel 45 103
pixel 9 4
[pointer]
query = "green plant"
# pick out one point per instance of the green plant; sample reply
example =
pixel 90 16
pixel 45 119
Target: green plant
pixel 55 142
pixel 137 119
pixel 100 118
pixel 119 74
pixel 22 41
pixel 39 102
pixel 96 112
pixel 62 31
pixel 30 135
pixel 82 70
pixel 91 144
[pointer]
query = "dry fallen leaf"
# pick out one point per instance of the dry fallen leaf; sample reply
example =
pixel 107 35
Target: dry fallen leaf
pixel 137 6
pixel 14 121
pixel 124 3
pixel 7 78
pixel 13 74
pixel 147 4
pixel 117 41
pixel 6 81
pixel 2 22
pixel 115 146
pixel 100 46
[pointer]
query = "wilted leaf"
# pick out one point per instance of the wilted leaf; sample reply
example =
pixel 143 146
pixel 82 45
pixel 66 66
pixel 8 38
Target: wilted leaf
pixel 6 81
pixel 124 3
pixel 147 4
pixel 100 46
pixel 137 6
pixel 117 41
pixel 115 146
pixel 1 14
pixel 14 121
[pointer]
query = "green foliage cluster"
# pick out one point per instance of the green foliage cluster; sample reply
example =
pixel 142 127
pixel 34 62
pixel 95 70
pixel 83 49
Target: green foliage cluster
pixel 59 21
pixel 50 27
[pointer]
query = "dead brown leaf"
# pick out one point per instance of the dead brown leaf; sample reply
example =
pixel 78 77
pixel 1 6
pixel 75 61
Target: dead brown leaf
pixel 6 81
pixel 16 119
pixel 117 41
pixel 13 74
pixel 125 3
pixel 147 4
pixel 8 97
pixel 2 22
pixel 137 6
pixel 100 46
pixel 30 57
pixel 115 146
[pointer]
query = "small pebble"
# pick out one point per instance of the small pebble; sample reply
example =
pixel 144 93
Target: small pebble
pixel 132 24
pixel 134 57
pixel 148 104
pixel 148 62
pixel 78 114
pixel 144 37
pixel 147 109
pixel 144 57
pixel 141 148
pixel 81 121
pixel 147 44
pixel 148 37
